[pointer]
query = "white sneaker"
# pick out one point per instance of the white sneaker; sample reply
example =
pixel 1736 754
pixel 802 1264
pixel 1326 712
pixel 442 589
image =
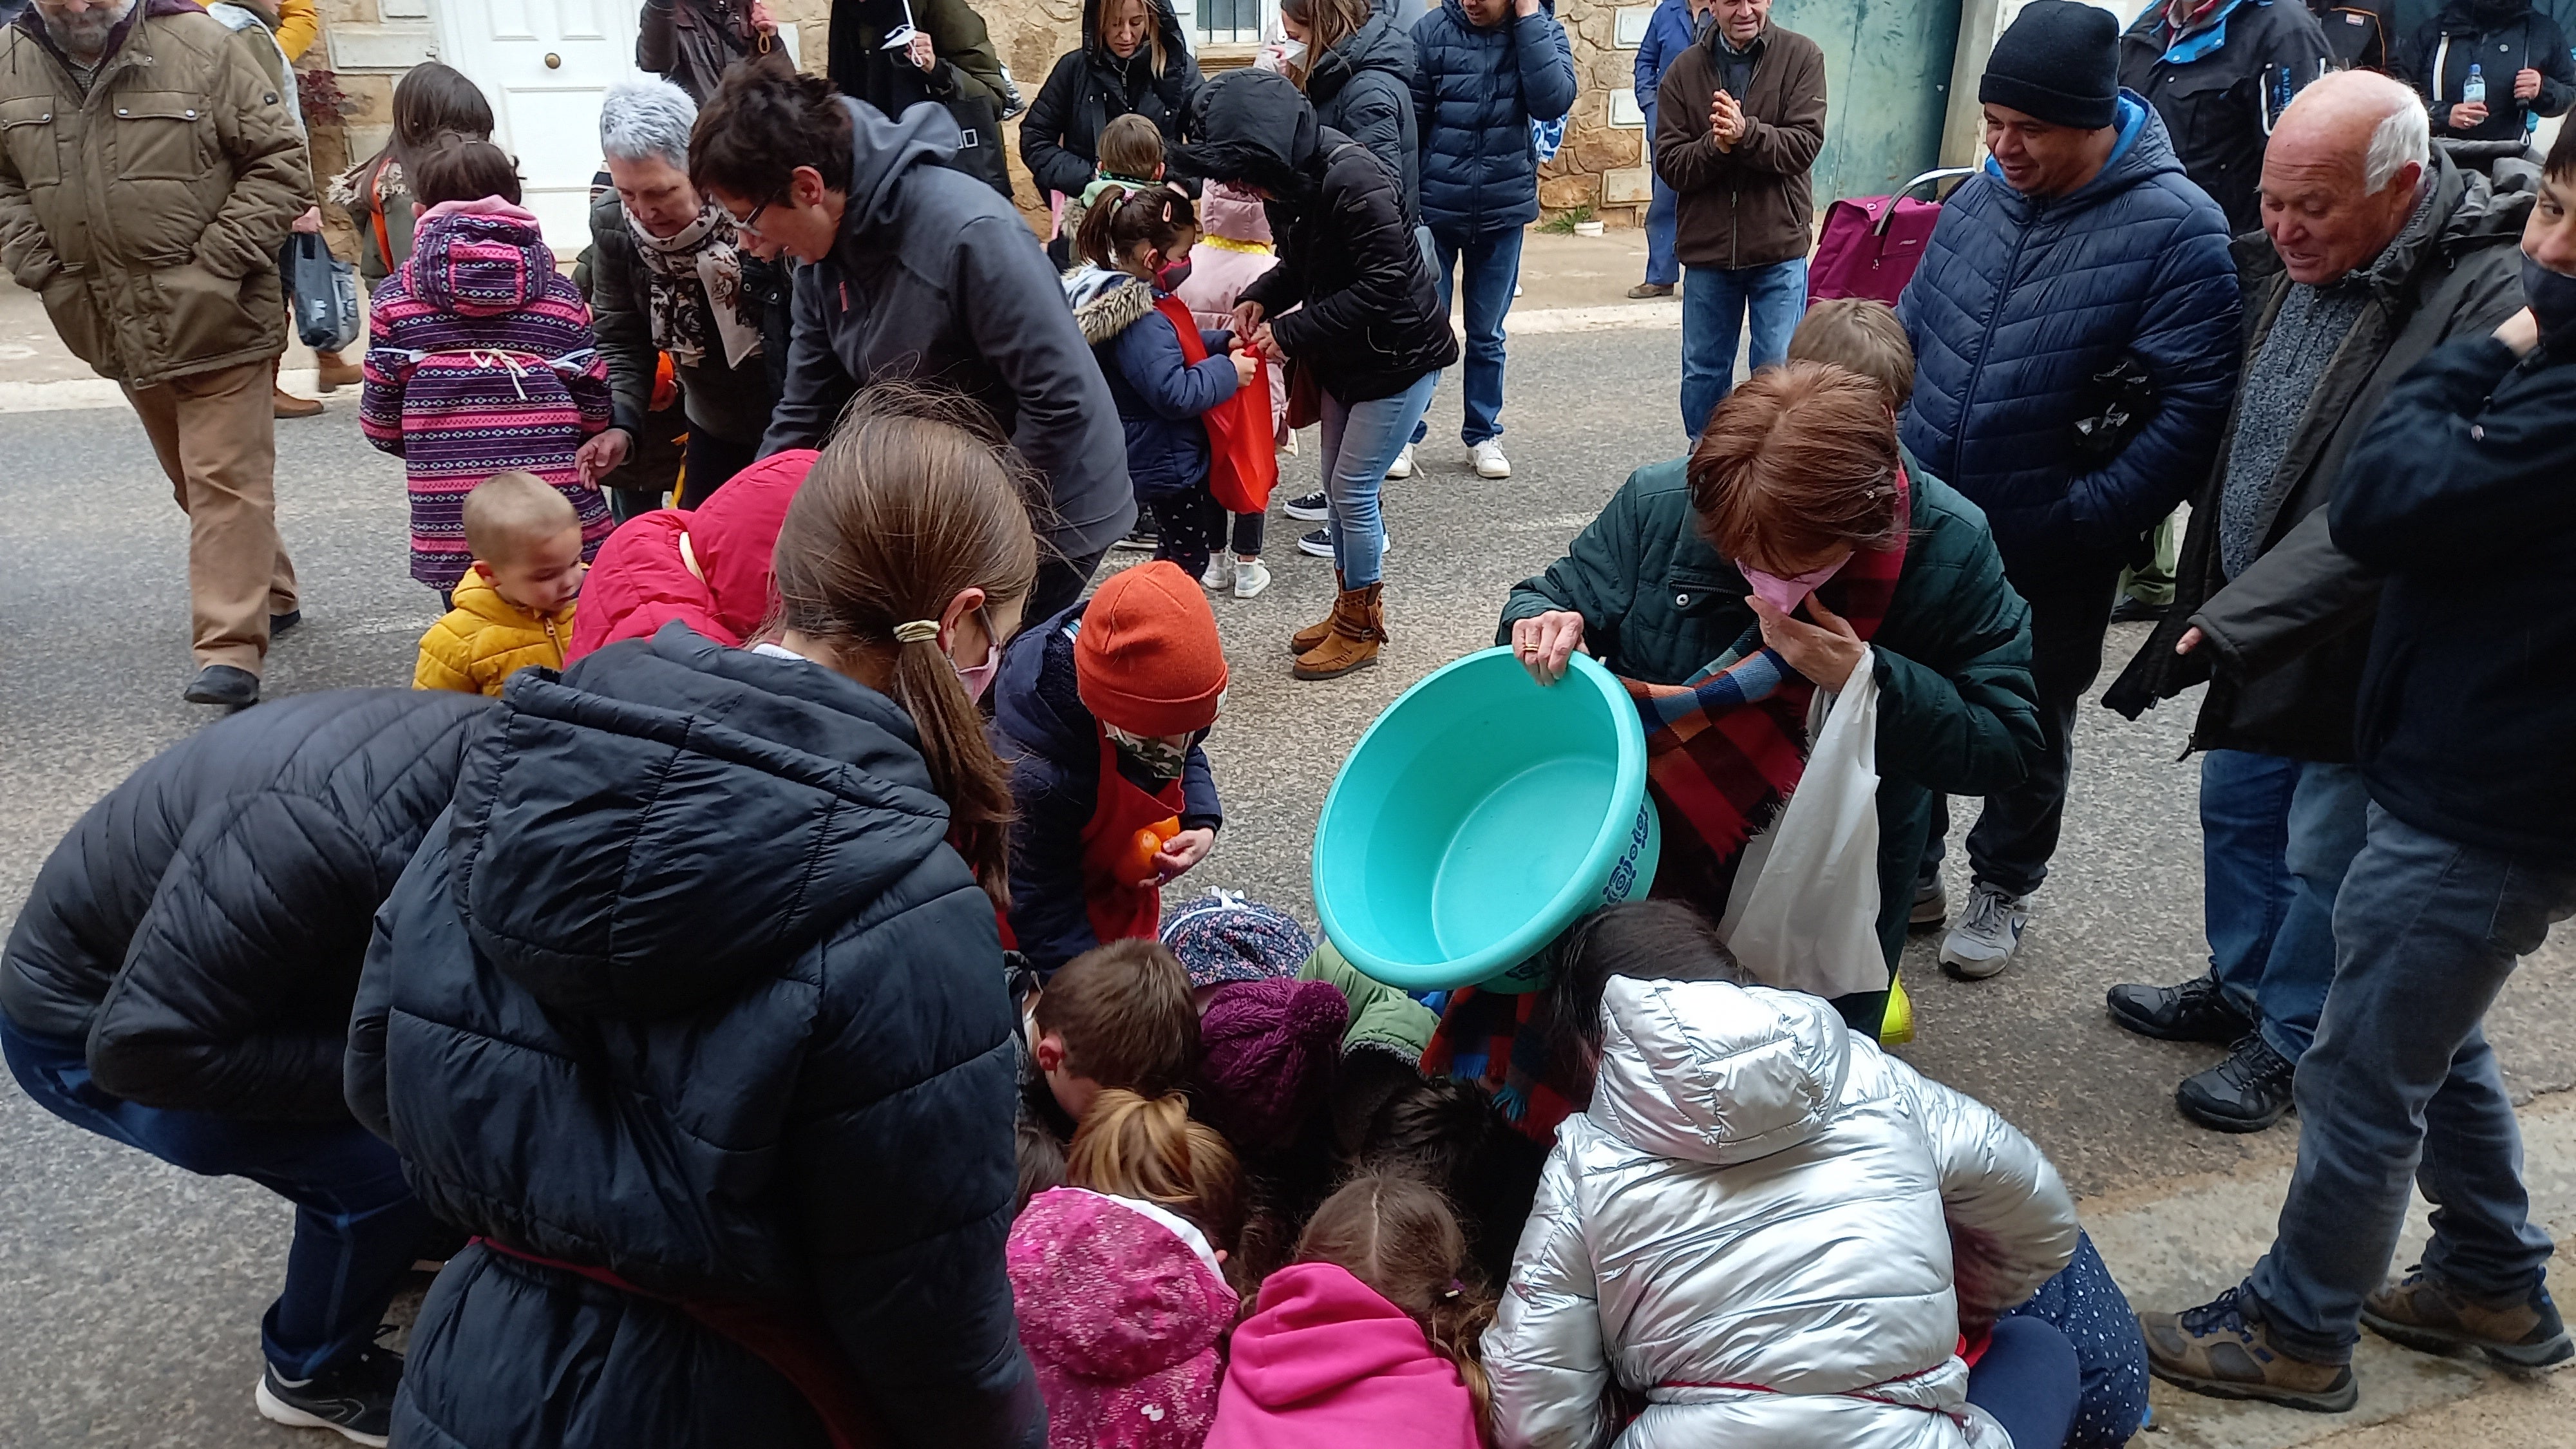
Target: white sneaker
pixel 1220 574
pixel 1402 467
pixel 1988 933
pixel 1250 577
pixel 1489 460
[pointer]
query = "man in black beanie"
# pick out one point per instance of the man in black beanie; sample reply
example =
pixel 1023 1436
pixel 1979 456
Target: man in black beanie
pixel 2220 72
pixel 2074 324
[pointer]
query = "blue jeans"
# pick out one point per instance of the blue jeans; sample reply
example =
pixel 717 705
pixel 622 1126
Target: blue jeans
pixel 1715 301
pixel 2276 837
pixel 1662 269
pixel 2401 1086
pixel 2029 1380
pixel 1493 269
pixel 357 1226
pixel 1360 442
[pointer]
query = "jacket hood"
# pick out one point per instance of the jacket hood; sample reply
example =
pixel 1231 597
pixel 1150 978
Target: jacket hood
pixel 481 258
pixel 1319 1331
pixel 882 150
pixel 1379 45
pixel 2476 17
pixel 732 536
pixel 1708 1071
pixel 1037 701
pixel 1107 303
pixel 1229 211
pixel 1253 126
pixel 476 595
pixel 670 819
pixel 2143 152
pixel 1113 1289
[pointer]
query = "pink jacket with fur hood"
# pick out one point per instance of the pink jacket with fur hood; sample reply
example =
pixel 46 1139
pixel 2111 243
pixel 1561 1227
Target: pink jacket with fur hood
pixel 1121 1305
pixel 1326 1361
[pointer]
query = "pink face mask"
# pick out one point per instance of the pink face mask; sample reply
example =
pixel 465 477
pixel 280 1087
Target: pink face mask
pixel 979 677
pixel 1786 594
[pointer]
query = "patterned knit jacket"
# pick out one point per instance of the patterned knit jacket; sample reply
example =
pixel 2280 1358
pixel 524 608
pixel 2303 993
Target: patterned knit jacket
pixel 481 360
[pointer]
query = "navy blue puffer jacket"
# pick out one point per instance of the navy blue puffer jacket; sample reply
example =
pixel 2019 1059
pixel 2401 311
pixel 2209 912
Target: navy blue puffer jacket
pixel 2021 302
pixel 1474 94
pixel 690 986
pixel 1363 88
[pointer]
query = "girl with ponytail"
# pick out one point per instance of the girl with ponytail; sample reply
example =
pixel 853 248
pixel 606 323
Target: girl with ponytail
pixel 697 1020
pixel 1119 1277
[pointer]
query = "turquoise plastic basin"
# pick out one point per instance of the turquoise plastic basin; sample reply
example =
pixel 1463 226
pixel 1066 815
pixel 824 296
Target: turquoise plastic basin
pixel 1477 818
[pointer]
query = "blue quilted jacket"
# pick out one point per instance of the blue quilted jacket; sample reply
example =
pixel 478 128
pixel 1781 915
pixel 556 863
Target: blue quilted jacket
pixel 1474 94
pixel 2021 302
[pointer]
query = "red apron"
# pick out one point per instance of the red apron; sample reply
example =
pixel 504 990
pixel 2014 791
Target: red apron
pixel 1243 453
pixel 1118 907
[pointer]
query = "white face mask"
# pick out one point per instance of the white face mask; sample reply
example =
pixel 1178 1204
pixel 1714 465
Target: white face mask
pixel 1292 52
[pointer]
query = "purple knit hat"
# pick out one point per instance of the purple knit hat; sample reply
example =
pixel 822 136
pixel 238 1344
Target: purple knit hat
pixel 1266 1051
pixel 1221 937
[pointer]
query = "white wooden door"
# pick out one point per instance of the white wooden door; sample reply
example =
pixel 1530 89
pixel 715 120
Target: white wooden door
pixel 544 63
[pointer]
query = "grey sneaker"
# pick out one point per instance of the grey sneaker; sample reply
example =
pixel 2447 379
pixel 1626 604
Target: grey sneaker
pixel 1931 905
pixel 1988 933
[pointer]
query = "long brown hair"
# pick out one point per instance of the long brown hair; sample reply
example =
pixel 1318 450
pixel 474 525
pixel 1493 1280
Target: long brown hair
pixel 430 100
pixel 1328 23
pixel 1148 1148
pixel 910 505
pixel 1399 1237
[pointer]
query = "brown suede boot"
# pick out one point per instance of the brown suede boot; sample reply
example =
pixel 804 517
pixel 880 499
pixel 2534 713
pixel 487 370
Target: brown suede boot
pixel 1305 640
pixel 336 372
pixel 1358 628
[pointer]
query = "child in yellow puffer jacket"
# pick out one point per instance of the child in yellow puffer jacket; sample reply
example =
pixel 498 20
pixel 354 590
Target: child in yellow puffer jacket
pixel 514 607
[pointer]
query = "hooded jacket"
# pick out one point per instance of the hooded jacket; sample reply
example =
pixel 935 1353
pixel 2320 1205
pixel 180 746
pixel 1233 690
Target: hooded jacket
pixel 1121 1305
pixel 2021 302
pixel 2221 88
pixel 1367 318
pixel 2501 38
pixel 1475 93
pixel 1751 1226
pixel 1090 87
pixel 485 639
pixel 201 928
pixel 2287 638
pixel 1052 741
pixel 1160 394
pixel 937 280
pixel 1326 1360
pixel 147 213
pixel 689 986
pixel 1363 88
pixel 706 567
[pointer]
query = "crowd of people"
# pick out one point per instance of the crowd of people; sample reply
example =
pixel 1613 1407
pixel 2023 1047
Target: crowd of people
pixel 741 968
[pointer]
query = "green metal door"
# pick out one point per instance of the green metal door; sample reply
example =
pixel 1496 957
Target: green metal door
pixel 1887 79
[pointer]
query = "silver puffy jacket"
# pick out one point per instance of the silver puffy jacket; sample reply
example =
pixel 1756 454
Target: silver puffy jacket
pixel 1752 1226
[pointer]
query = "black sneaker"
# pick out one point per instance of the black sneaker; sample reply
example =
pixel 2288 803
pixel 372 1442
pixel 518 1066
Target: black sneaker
pixel 2132 611
pixel 353 1399
pixel 1318 542
pixel 2245 1093
pixel 223 684
pixel 280 623
pixel 2194 1011
pixel 1306 508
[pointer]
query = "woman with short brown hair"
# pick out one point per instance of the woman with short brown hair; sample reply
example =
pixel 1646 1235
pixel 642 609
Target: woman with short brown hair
pixel 1797 537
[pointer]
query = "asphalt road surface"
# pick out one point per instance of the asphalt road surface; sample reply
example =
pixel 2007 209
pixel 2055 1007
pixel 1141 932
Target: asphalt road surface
pixel 130 1292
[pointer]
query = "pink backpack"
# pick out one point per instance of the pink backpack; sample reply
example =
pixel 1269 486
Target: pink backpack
pixel 1872 244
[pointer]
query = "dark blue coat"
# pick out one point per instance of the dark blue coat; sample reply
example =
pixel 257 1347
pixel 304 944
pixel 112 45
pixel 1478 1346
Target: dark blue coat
pixel 1363 88
pixel 1160 395
pixel 690 986
pixel 1052 742
pixel 2021 302
pixel 1669 32
pixel 1474 94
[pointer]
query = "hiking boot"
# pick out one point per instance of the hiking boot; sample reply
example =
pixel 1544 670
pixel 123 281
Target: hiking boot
pixel 334 372
pixel 287 405
pixel 1931 905
pixel 1643 290
pixel 2196 1010
pixel 2421 1311
pixel 1402 467
pixel 1305 640
pixel 1988 933
pixel 1358 629
pixel 225 685
pixel 1488 460
pixel 2218 1350
pixel 353 1399
pixel 2245 1093
pixel 1307 507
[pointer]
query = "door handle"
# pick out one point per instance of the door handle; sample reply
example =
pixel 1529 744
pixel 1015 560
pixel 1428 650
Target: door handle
pixel 553 61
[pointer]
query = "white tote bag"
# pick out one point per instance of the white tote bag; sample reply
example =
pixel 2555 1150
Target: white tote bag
pixel 1804 911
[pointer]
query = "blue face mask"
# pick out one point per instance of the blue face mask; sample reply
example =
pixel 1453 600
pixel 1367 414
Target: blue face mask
pixel 2552 296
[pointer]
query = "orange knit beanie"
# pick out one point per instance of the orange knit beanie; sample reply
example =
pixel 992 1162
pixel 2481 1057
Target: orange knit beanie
pixel 1147 659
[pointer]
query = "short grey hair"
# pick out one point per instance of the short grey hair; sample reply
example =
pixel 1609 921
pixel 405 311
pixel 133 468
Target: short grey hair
pixel 643 117
pixel 2403 135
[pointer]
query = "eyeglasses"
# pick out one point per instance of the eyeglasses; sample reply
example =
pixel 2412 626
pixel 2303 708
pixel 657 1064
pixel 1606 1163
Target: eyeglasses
pixel 751 223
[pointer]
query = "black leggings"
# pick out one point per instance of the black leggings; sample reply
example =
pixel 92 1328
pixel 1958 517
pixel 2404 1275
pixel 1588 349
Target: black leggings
pixel 1247 533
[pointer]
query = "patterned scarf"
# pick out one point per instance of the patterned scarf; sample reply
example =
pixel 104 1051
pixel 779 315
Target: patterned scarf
pixel 702 263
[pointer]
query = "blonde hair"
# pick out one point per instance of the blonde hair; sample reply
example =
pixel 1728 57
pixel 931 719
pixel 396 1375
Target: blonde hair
pixel 1859 334
pixel 1132 146
pixel 1400 1238
pixel 1148 1148
pixel 509 511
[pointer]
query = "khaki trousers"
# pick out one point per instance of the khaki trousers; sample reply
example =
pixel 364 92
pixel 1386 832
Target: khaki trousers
pixel 216 434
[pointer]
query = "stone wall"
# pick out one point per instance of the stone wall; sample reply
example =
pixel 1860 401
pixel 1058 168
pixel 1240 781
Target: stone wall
pixel 1603 164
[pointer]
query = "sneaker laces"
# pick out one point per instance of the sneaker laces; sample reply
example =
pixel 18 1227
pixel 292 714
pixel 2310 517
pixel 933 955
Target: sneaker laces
pixel 2222 1314
pixel 1989 911
pixel 2251 1062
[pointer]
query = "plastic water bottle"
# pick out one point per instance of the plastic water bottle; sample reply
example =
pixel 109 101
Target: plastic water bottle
pixel 2474 91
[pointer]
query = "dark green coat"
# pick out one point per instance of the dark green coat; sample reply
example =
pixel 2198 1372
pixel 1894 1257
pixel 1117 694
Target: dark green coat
pixel 1956 712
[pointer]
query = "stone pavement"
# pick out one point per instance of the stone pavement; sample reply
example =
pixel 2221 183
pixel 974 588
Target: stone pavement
pixel 130 1292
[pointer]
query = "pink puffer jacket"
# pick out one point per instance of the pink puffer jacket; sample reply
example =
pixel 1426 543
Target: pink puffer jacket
pixel 1121 1305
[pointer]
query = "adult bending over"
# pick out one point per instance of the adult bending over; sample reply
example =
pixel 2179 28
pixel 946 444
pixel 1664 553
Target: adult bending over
pixel 917 272
pixel 721 1068
pixel 1367 323
pixel 667 276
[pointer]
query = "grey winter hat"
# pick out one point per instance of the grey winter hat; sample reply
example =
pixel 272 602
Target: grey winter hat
pixel 2059 61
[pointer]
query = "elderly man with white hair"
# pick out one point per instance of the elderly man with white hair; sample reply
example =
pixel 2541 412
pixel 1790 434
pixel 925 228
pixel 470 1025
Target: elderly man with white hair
pixel 667 276
pixel 2376 252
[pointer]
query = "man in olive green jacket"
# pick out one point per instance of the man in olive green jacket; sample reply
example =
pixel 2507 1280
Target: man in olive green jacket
pixel 149 172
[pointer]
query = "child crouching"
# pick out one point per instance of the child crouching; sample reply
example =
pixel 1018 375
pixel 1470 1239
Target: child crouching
pixel 514 606
pixel 1116 1017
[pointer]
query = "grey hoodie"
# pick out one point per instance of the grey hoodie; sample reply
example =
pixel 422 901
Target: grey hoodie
pixel 936 279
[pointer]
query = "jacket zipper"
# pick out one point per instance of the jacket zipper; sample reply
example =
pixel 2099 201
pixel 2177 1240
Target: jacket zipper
pixel 553 641
pixel 1977 374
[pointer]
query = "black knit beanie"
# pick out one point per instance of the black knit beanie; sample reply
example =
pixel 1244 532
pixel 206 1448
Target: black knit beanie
pixel 2060 61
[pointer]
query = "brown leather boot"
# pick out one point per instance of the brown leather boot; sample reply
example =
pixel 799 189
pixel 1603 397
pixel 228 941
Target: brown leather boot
pixel 336 372
pixel 1358 629
pixel 288 405
pixel 1305 640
